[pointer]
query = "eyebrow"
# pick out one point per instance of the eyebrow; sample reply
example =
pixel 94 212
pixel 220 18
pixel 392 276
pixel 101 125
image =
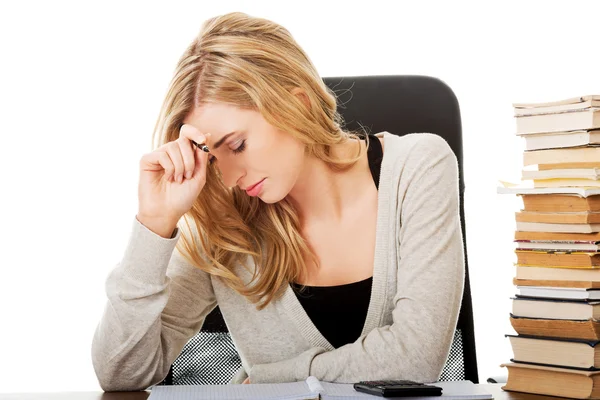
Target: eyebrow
pixel 222 140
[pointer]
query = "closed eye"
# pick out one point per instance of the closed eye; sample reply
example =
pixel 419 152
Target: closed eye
pixel 238 150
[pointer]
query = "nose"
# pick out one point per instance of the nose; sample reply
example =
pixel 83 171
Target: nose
pixel 231 174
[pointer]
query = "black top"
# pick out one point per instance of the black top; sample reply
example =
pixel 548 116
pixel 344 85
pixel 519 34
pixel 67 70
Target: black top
pixel 339 312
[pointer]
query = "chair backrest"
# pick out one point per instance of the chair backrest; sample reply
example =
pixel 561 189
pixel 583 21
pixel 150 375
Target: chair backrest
pixel 397 104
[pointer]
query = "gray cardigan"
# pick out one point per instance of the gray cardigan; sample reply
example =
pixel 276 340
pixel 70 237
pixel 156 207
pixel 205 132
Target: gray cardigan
pixel 157 301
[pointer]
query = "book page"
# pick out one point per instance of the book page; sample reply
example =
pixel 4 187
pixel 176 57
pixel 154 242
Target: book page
pixel 260 391
pixel 343 391
pixel 450 390
pixel 570 100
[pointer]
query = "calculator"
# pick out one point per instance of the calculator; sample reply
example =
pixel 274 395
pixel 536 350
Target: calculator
pixel 397 388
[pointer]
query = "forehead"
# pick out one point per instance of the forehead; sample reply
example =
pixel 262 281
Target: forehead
pixel 218 118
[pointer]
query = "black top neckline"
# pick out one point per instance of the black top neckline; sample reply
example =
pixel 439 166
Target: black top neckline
pixel 345 286
pixel 375 156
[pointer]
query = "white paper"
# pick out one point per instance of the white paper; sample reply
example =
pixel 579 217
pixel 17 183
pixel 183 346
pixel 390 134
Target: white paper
pixel 284 391
pixel 302 390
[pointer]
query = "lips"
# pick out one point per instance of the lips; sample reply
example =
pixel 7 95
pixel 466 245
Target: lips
pixel 252 187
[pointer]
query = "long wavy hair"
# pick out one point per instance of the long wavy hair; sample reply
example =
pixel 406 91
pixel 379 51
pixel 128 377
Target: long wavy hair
pixel 251 63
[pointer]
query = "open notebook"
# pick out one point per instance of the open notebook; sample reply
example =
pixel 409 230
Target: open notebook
pixel 304 390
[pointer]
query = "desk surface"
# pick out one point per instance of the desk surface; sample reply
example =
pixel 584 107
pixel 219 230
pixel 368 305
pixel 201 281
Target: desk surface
pixel 495 390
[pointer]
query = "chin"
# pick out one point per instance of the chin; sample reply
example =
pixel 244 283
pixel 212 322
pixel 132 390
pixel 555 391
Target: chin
pixel 270 196
pixel 270 199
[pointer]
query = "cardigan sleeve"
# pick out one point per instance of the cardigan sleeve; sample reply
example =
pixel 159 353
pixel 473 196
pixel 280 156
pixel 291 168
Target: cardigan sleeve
pixel 430 279
pixel 156 302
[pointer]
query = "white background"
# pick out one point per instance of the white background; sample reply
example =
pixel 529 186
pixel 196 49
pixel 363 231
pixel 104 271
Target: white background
pixel 81 84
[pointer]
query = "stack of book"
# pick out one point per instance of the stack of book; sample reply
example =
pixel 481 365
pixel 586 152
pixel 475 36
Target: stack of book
pixel 556 310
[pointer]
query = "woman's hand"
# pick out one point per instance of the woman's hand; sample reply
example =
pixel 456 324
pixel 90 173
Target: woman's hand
pixel 171 178
pixel 247 380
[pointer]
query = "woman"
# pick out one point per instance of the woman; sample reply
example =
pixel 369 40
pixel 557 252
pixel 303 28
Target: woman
pixel 328 255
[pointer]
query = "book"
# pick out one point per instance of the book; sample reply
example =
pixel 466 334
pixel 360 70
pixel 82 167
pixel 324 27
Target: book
pixel 542 167
pixel 555 308
pixel 577 329
pixel 565 173
pixel 557 274
pixel 583 284
pixel 588 118
pixel 552 381
pixel 558 236
pixel 557 109
pixel 559 293
pixel 557 140
pixel 560 352
pixel 309 389
pixel 559 203
pixel 580 217
pixel 524 190
pixel 567 228
pixel 546 183
pixel 572 103
pixel 570 260
pixel 557 240
pixel 556 246
pixel 559 156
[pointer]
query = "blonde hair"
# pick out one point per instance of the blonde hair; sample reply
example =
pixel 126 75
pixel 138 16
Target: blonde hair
pixel 251 63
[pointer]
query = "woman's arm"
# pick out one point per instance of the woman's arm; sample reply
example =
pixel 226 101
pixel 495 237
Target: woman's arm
pixel 156 302
pixel 429 293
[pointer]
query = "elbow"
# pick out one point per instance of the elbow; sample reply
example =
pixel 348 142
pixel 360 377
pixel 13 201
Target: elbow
pixel 430 366
pixel 109 384
pixel 119 375
pixel 114 382
pixel 123 371
pixel 109 380
pixel 420 363
pixel 427 371
pixel 424 370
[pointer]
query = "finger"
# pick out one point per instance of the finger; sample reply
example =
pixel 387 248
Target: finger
pixel 187 153
pixel 173 150
pixel 156 161
pixel 167 164
pixel 191 133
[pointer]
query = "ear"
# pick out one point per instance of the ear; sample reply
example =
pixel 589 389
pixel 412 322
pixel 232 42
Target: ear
pixel 301 94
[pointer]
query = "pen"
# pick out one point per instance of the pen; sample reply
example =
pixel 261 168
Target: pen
pixel 202 147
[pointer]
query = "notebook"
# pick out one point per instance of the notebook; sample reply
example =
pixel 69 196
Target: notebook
pixel 311 389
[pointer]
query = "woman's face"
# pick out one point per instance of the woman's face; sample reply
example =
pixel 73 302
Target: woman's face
pixel 249 151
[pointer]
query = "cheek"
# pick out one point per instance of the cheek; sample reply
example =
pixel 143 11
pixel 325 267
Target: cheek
pixel 280 156
pixel 289 161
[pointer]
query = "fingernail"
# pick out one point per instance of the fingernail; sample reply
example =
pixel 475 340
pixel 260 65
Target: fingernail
pixel 180 178
pixel 188 175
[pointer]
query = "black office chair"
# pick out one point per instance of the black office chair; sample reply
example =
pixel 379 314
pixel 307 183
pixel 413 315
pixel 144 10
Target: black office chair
pixel 399 105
